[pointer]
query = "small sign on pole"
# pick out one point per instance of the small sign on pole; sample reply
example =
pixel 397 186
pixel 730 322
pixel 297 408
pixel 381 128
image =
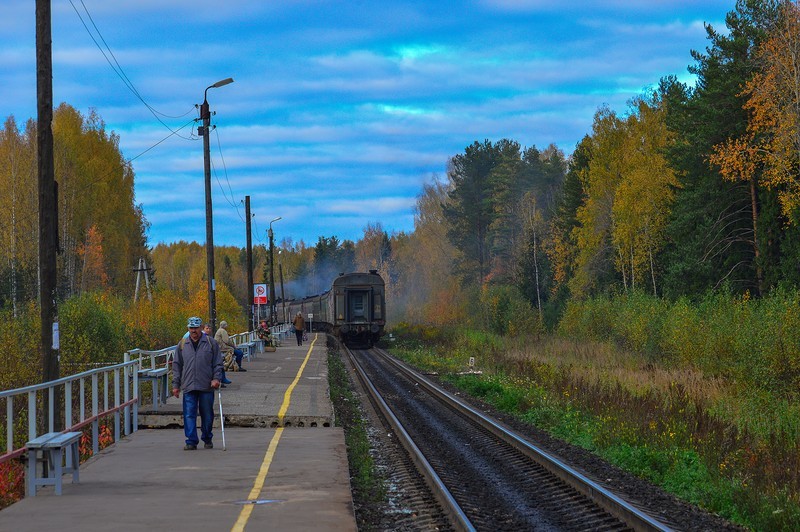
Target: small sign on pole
pixel 471 362
pixel 260 294
pixel 56 339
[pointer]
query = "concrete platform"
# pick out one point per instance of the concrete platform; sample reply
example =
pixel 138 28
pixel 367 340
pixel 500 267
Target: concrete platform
pixel 283 478
pixel 255 397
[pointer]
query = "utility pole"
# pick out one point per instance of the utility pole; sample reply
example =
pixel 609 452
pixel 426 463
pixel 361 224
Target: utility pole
pixel 142 267
pixel 250 301
pixel 283 298
pixel 48 224
pixel 205 116
pixel 272 309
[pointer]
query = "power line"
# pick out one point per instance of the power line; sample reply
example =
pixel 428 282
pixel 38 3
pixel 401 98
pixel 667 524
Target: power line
pixel 119 71
pixel 225 169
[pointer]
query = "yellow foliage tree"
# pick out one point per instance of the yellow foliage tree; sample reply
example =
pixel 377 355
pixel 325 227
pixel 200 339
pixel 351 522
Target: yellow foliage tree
pixel 769 152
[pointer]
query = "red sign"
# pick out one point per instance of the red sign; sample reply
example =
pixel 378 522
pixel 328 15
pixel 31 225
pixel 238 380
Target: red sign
pixel 260 294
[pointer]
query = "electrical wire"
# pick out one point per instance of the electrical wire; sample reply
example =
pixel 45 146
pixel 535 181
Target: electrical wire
pixel 120 72
pixel 230 201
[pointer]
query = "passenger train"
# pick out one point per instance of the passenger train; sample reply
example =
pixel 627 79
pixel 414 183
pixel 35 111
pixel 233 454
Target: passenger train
pixel 354 309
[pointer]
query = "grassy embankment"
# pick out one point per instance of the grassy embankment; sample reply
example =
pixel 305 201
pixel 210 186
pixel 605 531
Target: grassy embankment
pixel 698 398
pixel 369 493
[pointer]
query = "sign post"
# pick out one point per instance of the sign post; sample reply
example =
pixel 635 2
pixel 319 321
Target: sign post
pixel 260 296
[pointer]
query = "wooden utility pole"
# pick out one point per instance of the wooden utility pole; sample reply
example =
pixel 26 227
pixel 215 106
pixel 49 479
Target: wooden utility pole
pixel 48 222
pixel 48 225
pixel 250 301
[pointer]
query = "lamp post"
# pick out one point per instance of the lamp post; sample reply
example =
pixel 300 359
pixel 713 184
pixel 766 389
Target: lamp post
pixel 272 317
pixel 205 116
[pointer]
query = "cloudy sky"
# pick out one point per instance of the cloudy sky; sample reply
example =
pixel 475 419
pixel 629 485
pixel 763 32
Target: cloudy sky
pixel 340 110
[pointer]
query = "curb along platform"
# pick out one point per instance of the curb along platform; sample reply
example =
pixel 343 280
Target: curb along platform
pixel 285 467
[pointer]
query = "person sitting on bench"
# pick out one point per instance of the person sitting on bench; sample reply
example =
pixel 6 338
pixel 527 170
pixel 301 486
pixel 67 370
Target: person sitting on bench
pixel 226 345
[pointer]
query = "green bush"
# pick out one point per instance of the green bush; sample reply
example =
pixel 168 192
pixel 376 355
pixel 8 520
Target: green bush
pixel 92 329
pixel 507 312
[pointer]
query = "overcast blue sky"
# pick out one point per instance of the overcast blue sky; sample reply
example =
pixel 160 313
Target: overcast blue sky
pixel 340 111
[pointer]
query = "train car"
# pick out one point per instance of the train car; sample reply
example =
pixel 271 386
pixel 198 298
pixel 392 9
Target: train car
pixel 354 309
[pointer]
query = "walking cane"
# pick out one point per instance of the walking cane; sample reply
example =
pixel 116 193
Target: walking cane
pixel 221 420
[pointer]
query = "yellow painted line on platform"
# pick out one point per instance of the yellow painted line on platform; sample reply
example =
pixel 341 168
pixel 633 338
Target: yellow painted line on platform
pixel 258 485
pixel 247 509
pixel 287 396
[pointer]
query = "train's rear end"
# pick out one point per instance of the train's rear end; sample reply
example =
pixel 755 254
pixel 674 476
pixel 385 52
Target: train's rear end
pixel 359 308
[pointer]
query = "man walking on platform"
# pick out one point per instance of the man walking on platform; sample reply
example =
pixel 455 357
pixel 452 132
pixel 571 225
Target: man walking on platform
pixel 197 370
pixel 299 325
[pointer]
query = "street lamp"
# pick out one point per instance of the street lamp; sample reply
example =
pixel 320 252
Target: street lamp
pixel 205 116
pixel 272 306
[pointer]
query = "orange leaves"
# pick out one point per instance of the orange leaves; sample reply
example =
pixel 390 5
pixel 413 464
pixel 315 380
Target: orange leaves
pixel 769 151
pixel 90 252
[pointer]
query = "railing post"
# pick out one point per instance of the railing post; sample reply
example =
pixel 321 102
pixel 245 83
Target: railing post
pixel 105 391
pixel 51 408
pixel 95 421
pixel 68 405
pixel 31 416
pixel 9 423
pixel 135 369
pixel 126 394
pixel 82 392
pixel 116 405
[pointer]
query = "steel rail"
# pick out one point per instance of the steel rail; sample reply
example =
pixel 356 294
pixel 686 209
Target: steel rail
pixel 613 504
pixel 440 491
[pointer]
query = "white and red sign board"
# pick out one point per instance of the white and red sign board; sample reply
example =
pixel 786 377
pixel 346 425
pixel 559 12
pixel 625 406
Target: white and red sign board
pixel 260 294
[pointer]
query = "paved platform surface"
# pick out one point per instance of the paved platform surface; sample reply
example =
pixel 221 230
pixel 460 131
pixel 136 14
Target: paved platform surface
pixel 268 478
pixel 255 397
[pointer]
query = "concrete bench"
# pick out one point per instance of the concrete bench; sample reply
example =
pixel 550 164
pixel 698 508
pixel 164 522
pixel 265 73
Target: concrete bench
pixel 159 377
pixel 53 445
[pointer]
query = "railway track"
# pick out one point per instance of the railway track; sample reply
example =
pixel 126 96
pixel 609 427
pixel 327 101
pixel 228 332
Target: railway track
pixel 482 474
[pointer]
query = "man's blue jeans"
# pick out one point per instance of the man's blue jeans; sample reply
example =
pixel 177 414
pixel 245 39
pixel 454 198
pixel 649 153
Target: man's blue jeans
pixel 239 354
pixel 191 401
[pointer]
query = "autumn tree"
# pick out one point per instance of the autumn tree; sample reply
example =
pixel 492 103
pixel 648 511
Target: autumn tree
pixel 595 260
pixel 644 196
pixel 374 250
pixel 714 230
pixel 18 208
pixel 93 270
pixel 768 154
pixel 427 289
pixel 561 246
pixel 469 209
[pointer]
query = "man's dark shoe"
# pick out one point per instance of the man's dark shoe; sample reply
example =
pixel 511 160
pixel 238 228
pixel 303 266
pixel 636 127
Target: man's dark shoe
pixel 188 447
pixel 208 445
pixel 226 381
pixel 223 385
pixel 242 369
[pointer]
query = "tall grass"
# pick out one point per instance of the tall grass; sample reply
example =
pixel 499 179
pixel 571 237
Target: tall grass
pixel 699 397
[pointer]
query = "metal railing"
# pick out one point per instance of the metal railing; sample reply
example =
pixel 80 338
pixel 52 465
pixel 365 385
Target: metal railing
pixel 120 399
pixel 116 399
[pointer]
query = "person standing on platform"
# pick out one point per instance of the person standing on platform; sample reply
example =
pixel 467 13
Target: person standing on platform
pixel 226 344
pixel 299 327
pixel 196 371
